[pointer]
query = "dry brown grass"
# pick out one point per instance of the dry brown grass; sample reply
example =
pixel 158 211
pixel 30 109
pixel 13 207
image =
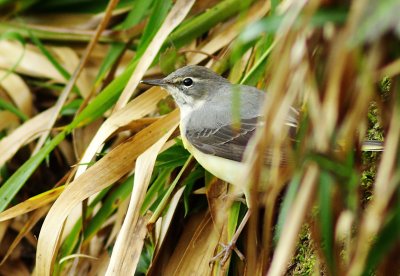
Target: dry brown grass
pixel 79 136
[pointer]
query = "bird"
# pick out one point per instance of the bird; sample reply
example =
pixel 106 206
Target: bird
pixel 208 128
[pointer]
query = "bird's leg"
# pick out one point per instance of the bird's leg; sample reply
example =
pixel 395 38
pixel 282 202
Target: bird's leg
pixel 228 248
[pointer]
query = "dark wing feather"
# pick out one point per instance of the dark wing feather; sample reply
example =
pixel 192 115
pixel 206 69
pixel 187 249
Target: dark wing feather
pixel 229 143
pixel 225 141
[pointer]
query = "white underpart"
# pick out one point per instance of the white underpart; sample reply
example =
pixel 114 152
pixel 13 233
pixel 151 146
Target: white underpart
pixel 225 169
pixel 186 109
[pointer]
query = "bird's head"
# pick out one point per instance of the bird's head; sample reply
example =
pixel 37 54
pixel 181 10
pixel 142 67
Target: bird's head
pixel 190 85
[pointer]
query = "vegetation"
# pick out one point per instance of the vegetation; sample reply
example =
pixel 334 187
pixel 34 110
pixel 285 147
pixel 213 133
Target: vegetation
pixel 95 179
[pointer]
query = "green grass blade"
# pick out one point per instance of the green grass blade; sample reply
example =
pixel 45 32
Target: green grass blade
pixel 109 206
pixel 158 14
pixel 156 190
pixel 200 24
pixel 7 106
pixel 190 180
pixel 111 57
pixel 11 187
pixel 233 219
pixel 160 208
pixel 137 13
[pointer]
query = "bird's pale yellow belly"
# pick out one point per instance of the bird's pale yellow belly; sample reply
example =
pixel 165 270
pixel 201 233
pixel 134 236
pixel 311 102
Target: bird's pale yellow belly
pixel 225 169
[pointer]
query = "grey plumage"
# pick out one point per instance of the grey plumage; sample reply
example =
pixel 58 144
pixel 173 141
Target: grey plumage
pixel 213 132
pixel 210 128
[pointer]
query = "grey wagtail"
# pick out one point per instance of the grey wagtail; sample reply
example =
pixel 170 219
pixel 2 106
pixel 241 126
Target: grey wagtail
pixel 207 126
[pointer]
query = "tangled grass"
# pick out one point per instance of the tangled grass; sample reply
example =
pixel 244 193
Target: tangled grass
pixel 95 180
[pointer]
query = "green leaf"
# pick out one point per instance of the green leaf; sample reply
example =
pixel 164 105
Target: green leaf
pixel 146 258
pixel 158 14
pixel 174 157
pixel 166 197
pixel 271 24
pixel 111 57
pixel 233 219
pixel 71 108
pixel 252 76
pixel 195 27
pixel 10 35
pixel 7 106
pixel 111 203
pixel 190 180
pixel 157 190
pixel 137 13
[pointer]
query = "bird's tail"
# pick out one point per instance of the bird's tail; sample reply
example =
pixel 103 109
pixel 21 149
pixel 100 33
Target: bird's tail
pixel 371 145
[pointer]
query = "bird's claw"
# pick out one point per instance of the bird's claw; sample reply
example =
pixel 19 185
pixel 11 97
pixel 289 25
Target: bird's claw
pixel 225 253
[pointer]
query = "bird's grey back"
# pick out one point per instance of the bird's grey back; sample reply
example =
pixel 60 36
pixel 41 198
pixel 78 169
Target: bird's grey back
pixel 211 130
pixel 221 106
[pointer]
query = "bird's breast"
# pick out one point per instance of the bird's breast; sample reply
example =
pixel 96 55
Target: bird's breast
pixel 225 169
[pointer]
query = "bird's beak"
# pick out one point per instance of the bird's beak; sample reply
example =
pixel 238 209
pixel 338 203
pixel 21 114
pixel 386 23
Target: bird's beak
pixel 159 82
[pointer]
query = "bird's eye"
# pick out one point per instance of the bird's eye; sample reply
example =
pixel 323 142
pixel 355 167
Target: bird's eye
pixel 187 82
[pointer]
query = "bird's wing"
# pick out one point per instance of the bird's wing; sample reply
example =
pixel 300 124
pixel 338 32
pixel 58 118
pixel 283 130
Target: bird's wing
pixel 230 143
pixel 224 141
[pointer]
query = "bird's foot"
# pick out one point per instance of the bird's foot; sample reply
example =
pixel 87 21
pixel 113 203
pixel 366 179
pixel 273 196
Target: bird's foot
pixel 226 252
